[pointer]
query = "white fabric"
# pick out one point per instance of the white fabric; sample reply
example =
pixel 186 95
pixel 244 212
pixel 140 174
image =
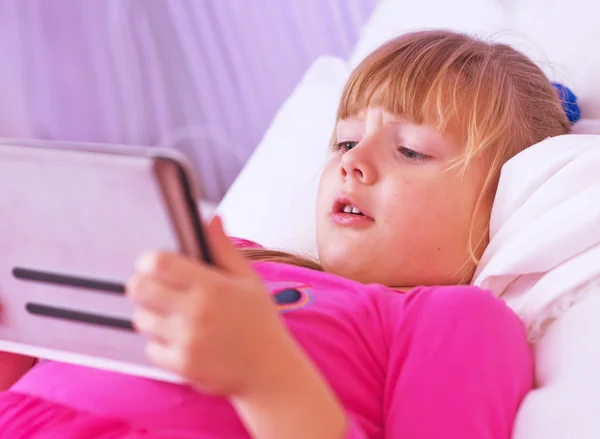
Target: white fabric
pixel 544 249
pixel 272 201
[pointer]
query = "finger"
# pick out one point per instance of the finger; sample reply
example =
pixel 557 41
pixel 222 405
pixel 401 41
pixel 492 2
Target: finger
pixel 226 256
pixel 157 326
pixel 173 269
pixel 166 356
pixel 153 294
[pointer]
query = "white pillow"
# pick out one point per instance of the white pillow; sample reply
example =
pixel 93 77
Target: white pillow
pixel 544 230
pixel 272 201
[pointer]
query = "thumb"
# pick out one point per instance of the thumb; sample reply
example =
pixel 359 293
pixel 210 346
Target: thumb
pixel 224 253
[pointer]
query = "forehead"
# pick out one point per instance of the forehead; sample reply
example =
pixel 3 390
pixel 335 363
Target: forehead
pixel 373 118
pixel 377 116
pixel 373 112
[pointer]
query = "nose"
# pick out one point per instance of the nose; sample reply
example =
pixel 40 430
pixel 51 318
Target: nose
pixel 356 164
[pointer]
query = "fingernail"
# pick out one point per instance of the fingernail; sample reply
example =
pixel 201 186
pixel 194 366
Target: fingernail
pixel 145 262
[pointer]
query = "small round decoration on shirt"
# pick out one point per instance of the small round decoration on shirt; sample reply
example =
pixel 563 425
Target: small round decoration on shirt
pixel 290 296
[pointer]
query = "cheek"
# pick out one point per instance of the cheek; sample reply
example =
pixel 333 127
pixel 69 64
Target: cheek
pixel 407 218
pixel 326 187
pixel 404 199
pixel 419 211
pixel 450 209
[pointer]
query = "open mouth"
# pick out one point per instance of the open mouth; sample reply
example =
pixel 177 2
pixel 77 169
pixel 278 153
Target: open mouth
pixel 345 207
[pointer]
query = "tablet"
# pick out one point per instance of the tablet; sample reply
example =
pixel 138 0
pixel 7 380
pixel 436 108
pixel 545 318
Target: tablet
pixel 73 220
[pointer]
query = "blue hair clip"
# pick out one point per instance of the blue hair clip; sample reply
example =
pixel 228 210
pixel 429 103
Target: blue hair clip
pixel 568 101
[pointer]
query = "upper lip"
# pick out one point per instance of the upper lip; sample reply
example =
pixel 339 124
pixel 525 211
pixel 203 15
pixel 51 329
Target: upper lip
pixel 343 200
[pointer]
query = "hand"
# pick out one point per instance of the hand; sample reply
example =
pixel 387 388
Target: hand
pixel 215 326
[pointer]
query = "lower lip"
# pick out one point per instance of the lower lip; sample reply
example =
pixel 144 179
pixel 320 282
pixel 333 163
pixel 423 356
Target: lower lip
pixel 349 219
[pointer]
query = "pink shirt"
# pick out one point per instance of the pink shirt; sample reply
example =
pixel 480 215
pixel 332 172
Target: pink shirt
pixel 438 362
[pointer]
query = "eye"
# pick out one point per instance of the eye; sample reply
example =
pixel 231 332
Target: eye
pixel 412 155
pixel 344 146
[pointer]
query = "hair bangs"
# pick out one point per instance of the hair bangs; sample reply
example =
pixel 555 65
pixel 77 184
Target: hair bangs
pixel 417 83
pixel 441 79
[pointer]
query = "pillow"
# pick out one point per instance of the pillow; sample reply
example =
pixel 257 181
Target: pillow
pixel 272 201
pixel 544 236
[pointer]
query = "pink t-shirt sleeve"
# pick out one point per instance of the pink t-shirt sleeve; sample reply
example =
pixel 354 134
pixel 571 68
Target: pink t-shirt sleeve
pixel 460 367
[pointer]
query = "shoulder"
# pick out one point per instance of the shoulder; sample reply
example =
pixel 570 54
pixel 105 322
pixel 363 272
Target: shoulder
pixel 459 352
pixel 465 313
pixel 462 302
pixel 466 323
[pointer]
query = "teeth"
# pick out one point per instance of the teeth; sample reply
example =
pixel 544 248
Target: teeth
pixel 349 208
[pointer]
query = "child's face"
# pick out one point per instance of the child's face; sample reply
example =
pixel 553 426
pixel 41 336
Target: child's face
pixel 416 214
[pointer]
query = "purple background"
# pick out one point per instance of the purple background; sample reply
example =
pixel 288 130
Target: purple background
pixel 205 76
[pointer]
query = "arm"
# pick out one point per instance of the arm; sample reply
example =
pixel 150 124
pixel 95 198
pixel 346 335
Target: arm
pixel 460 367
pixel 13 367
pixel 567 402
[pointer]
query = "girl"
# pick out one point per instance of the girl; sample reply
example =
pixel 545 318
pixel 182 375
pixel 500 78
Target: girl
pixel 380 338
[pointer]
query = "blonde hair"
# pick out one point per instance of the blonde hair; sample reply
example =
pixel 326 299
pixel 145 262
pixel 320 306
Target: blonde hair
pixel 492 96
